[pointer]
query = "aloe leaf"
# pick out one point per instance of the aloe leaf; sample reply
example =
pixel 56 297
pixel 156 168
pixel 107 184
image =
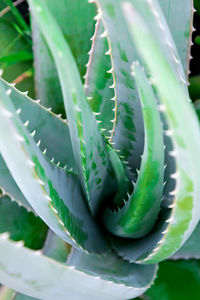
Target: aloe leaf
pixel 127 134
pixel 49 189
pixel 191 248
pixel 157 23
pixel 172 277
pixel 179 15
pixel 21 224
pixel 9 186
pixel 99 81
pixel 41 283
pixel 123 183
pixel 114 269
pixel 49 129
pixel 87 142
pixel 139 213
pixel 184 214
pixel 78 36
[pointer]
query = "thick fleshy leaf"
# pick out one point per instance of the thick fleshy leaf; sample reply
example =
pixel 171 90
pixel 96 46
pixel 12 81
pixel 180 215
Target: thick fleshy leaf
pixel 127 135
pixel 49 189
pixel 49 130
pixel 157 23
pixel 45 126
pixel 138 215
pixel 21 225
pixel 112 268
pixel 99 81
pixel 176 280
pixel 76 22
pixel 87 142
pixel 179 16
pixel 184 214
pixel 9 187
pixel 44 278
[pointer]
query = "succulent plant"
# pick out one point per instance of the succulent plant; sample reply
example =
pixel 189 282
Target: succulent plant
pixel 99 179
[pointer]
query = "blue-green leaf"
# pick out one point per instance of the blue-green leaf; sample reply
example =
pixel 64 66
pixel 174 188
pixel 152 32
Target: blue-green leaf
pixel 87 142
pixel 49 189
pixel 49 279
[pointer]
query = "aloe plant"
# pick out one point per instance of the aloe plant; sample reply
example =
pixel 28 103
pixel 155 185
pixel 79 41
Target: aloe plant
pixel 100 177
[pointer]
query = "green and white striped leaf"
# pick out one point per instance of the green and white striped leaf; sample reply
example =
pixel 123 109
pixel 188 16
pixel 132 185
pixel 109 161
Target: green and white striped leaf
pixel 139 213
pixel 87 142
pixel 184 215
pixel 49 189
pixel 45 278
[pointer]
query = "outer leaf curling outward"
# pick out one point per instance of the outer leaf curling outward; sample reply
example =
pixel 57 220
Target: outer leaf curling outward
pixel 87 142
pixel 139 213
pixel 127 135
pixel 54 188
pixel 41 283
pixel 186 143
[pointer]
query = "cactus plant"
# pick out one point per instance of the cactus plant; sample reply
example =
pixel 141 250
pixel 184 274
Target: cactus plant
pixel 100 177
